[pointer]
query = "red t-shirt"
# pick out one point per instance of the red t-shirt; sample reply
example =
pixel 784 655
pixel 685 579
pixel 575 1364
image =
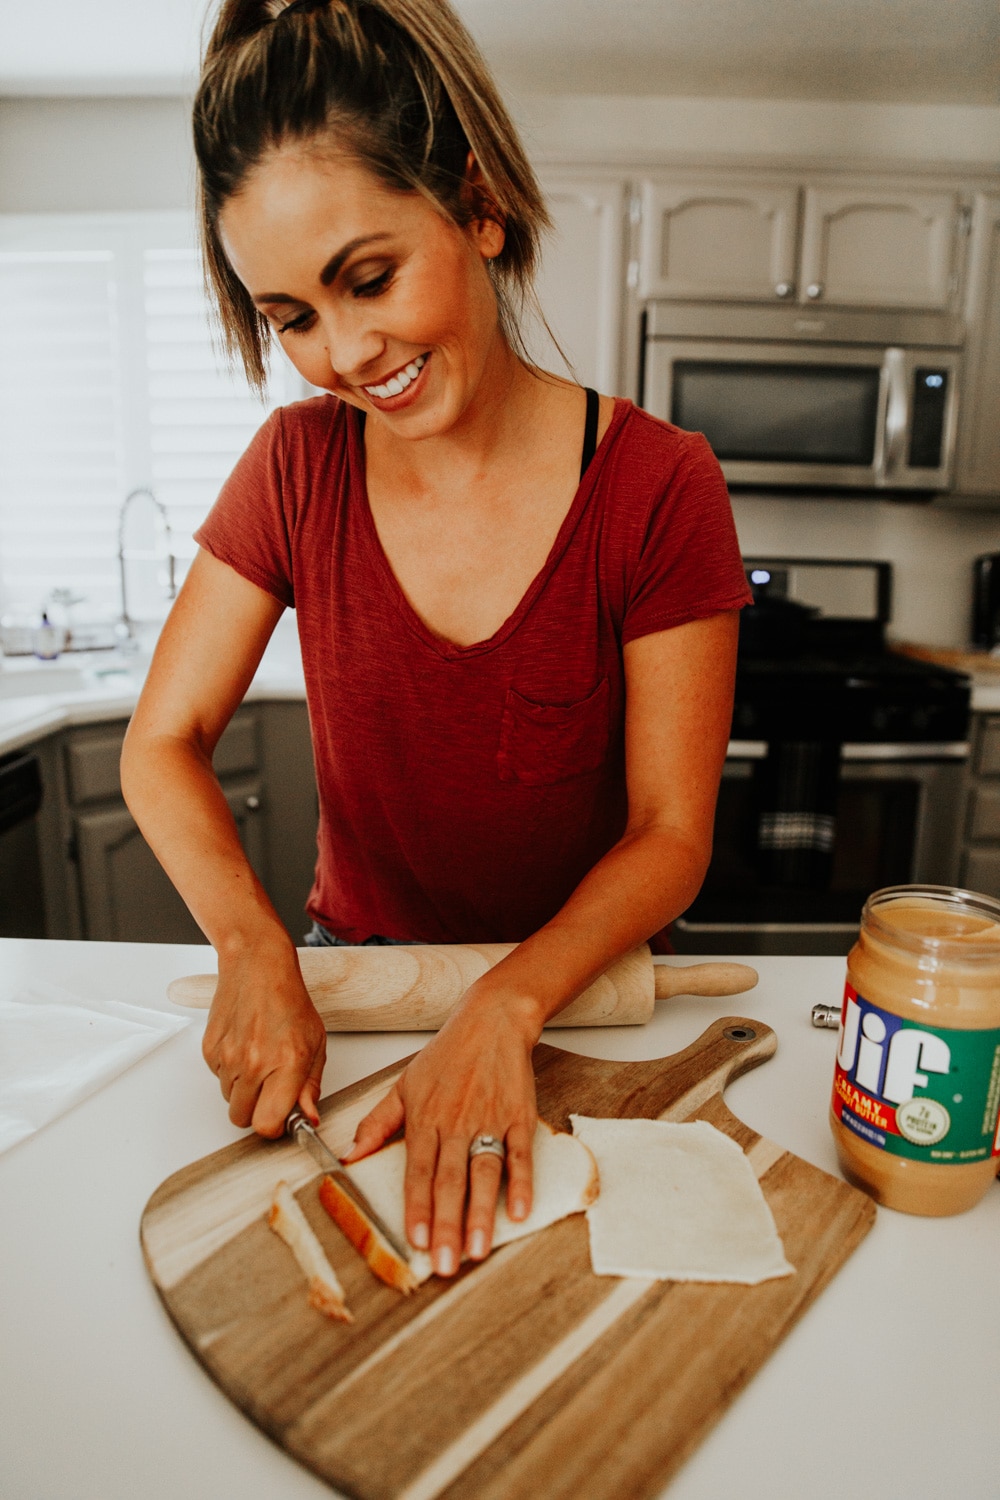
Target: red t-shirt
pixel 465 791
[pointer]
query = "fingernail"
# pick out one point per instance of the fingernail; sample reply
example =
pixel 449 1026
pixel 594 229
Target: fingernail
pixel 445 1262
pixel 477 1244
pixel 421 1237
pixel 519 1210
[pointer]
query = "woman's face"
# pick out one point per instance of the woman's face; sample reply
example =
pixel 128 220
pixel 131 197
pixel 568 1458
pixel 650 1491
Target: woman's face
pixel 373 294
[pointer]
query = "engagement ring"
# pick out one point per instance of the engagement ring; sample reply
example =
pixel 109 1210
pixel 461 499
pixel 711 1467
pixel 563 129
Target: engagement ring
pixel 487 1145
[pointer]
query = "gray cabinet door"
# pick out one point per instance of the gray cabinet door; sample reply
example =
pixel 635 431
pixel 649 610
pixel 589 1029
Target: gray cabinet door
pixel 581 278
pixel 978 466
pixel 865 246
pixel 126 896
pixel 724 240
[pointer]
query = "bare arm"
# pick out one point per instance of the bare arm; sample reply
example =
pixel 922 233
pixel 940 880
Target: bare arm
pixel 476 1076
pixel 679 687
pixel 263 1039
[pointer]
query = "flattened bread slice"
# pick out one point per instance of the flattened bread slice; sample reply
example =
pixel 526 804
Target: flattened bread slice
pixel 289 1222
pixel 565 1177
pixel 679 1202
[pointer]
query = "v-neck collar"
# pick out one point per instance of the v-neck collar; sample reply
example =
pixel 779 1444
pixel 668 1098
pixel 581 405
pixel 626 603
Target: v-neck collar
pixel 449 650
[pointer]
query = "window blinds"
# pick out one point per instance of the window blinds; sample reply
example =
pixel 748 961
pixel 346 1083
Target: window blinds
pixel 62 466
pixel 110 379
pixel 201 415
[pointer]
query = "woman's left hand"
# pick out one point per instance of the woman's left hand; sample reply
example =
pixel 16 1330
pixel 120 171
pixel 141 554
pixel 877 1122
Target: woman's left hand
pixel 473 1078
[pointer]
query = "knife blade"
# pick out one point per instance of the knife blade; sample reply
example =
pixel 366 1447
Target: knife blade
pixel 301 1131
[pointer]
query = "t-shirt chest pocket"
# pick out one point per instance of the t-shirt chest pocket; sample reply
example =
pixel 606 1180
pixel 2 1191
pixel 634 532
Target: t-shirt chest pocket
pixel 542 743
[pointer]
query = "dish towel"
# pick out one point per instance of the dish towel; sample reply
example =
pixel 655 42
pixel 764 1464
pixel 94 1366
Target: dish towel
pixel 797 803
pixel 57 1048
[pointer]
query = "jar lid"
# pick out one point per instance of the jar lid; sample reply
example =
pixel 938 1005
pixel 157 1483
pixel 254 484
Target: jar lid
pixel 941 922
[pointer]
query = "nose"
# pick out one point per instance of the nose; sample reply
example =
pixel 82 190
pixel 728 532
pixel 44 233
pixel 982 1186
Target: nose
pixel 353 344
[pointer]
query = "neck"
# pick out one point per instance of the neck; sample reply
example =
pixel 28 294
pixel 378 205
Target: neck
pixel 493 423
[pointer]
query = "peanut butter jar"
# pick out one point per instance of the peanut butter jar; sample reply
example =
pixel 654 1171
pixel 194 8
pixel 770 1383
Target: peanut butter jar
pixel 916 1089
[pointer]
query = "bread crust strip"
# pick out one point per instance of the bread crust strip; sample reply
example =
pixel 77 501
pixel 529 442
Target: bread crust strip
pixel 378 1255
pixel 289 1222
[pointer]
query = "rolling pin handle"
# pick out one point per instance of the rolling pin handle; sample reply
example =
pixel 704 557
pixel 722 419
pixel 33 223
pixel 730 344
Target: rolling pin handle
pixel 195 991
pixel 702 979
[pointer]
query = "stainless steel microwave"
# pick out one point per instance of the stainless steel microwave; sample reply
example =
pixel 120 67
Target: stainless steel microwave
pixel 846 400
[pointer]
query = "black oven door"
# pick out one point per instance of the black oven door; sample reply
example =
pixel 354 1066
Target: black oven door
pixel 22 904
pixel 895 823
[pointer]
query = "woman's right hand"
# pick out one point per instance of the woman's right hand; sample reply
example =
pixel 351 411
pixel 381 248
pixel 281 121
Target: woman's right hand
pixel 265 1041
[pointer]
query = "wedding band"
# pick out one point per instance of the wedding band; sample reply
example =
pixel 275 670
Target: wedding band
pixel 487 1145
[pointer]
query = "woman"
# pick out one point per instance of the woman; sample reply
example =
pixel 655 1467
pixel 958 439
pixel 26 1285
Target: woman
pixel 516 601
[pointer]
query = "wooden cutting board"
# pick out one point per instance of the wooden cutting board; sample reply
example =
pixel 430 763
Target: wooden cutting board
pixel 524 1377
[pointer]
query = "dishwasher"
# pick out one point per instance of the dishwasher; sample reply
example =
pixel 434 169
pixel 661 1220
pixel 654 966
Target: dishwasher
pixel 22 899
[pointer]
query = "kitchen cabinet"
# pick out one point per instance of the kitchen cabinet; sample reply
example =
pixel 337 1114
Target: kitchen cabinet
pixel 102 880
pixel 977 463
pixel 581 283
pixel 981 851
pixel 728 240
pixel 877 247
pixel 126 897
pixel 853 242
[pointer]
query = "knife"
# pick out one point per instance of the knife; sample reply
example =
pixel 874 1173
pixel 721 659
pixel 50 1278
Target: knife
pixel 299 1128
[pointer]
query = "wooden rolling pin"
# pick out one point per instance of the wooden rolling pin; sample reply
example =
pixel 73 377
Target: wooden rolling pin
pixel 416 988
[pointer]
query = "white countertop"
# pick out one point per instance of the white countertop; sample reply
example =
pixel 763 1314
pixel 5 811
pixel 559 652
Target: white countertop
pixel 110 685
pixel 888 1382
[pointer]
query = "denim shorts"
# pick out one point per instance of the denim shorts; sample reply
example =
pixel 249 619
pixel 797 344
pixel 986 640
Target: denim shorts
pixel 321 937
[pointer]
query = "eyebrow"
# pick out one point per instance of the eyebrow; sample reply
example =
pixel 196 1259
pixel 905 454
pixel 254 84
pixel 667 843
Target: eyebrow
pixel 332 269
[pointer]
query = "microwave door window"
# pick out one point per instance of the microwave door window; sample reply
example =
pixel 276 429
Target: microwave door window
pixel 779 413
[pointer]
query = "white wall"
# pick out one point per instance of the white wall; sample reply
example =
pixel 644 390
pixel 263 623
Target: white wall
pixel 931 550
pixel 82 154
pixel 639 129
pixel 63 155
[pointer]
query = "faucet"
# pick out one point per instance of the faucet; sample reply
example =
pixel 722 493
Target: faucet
pixel 124 555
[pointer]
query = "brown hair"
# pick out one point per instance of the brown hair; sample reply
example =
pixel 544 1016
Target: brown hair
pixel 401 85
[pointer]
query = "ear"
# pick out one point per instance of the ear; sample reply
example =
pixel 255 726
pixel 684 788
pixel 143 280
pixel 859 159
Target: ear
pixel 487 226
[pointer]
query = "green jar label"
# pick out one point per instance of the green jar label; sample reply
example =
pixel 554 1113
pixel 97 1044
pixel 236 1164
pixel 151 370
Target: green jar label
pixel 929 1093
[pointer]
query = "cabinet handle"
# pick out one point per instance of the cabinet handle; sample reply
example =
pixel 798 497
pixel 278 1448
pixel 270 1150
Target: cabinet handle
pixel 784 289
pixel 252 804
pixel 814 290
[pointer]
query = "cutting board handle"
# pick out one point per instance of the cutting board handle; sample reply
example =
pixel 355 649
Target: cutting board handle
pixel 666 1088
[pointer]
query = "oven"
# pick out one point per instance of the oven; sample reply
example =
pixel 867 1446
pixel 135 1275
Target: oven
pixel 845 770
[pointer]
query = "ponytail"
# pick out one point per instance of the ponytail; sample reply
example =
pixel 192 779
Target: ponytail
pixel 401 85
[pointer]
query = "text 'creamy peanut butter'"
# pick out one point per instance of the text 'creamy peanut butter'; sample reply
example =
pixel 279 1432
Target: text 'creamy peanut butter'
pixel 916 1090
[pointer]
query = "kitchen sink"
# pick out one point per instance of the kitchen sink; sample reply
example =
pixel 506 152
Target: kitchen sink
pixel 42 679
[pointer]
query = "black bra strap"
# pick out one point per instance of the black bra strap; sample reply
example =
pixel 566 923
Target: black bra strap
pixel 590 431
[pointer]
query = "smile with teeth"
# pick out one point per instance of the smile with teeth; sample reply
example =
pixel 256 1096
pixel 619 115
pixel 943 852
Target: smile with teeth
pixel 398 382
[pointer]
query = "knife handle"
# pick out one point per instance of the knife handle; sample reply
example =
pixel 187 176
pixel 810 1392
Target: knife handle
pixel 295 1119
pixel 304 1133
